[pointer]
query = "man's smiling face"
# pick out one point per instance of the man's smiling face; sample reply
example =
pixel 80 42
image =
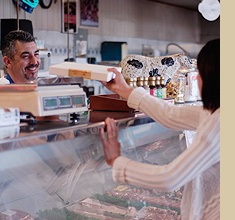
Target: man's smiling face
pixel 24 66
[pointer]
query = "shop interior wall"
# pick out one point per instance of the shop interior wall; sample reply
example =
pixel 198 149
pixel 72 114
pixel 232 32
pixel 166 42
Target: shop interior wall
pixel 138 22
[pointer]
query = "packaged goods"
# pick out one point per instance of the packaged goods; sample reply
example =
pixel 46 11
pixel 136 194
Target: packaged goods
pixel 87 71
pixel 9 116
pixel 159 87
pixel 146 84
pixel 176 87
pixel 163 88
pixel 152 86
pixel 191 92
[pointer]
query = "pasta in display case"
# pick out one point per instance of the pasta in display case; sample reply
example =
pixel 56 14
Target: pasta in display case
pixel 55 170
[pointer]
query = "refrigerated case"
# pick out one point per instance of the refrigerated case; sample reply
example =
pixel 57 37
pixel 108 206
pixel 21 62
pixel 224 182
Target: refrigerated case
pixel 54 170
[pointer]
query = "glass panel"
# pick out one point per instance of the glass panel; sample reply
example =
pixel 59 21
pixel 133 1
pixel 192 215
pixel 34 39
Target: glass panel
pixel 64 174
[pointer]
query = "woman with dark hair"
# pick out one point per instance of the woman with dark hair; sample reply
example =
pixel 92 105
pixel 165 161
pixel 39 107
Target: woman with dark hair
pixel 208 62
pixel 198 167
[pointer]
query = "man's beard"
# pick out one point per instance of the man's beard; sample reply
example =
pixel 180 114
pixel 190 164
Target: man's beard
pixel 28 78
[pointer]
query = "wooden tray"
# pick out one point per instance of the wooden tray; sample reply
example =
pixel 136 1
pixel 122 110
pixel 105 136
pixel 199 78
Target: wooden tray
pixel 110 102
pixel 99 116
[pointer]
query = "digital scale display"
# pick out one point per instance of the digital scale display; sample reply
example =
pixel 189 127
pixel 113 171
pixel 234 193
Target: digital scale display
pixel 60 102
pixel 50 103
pixel 65 102
pixel 77 100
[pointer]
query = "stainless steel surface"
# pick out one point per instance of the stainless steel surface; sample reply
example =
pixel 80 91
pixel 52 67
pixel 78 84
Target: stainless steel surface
pixel 60 81
pixel 45 129
pixel 43 82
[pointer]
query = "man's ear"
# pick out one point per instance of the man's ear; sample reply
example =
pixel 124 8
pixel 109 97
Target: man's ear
pixel 7 61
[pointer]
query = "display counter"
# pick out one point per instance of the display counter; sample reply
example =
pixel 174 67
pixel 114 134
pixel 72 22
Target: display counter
pixel 56 170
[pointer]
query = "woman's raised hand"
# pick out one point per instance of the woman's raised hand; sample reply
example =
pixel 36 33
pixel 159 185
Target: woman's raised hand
pixel 118 84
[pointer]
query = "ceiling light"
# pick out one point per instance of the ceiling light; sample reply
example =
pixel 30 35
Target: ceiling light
pixel 210 9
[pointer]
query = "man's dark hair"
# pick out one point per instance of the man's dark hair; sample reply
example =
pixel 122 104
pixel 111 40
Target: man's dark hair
pixel 8 47
pixel 208 62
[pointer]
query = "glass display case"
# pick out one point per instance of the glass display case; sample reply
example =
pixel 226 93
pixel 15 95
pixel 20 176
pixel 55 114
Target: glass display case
pixel 57 171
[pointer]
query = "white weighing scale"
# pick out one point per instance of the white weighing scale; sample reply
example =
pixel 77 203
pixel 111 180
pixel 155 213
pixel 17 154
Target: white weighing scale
pixel 47 97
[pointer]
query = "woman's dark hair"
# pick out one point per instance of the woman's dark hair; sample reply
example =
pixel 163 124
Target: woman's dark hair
pixel 208 62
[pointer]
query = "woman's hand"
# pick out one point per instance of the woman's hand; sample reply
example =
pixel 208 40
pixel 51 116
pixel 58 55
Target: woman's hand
pixel 118 84
pixel 111 144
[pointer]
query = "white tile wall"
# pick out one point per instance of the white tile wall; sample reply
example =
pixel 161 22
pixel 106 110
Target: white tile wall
pixel 57 42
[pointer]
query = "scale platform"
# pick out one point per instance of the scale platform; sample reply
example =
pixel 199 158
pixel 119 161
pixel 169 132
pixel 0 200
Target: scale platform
pixel 47 97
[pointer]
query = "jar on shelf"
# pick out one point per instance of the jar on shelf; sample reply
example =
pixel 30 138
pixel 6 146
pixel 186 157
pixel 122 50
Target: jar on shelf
pixel 152 86
pixel 191 91
pixel 140 81
pixel 159 87
pixel 130 82
pixel 146 84
pixel 179 82
pixel 163 85
pixel 135 82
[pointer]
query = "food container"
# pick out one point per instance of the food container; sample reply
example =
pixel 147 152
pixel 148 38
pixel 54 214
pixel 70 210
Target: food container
pixel 191 92
pixel 176 87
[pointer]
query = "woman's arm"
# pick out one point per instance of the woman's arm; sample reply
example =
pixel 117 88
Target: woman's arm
pixel 203 153
pixel 170 116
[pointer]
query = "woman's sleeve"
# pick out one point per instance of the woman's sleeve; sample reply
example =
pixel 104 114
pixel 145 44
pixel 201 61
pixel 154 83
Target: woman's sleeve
pixel 203 153
pixel 170 116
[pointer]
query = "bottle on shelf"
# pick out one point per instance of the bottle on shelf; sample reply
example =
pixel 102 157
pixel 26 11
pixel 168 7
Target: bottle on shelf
pixel 152 86
pixel 158 86
pixel 140 81
pixel 191 92
pixel 163 85
pixel 135 82
pixel 130 82
pixel 179 83
pixel 146 84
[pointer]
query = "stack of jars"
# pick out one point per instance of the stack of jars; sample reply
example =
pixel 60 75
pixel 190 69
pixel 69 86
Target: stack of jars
pixel 182 87
pixel 155 85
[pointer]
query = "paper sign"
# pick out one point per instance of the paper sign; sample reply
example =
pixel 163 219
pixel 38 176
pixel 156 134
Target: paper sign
pixel 80 73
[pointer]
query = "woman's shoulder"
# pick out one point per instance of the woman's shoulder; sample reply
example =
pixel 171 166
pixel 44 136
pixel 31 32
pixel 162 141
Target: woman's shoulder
pixel 207 114
pixel 210 121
